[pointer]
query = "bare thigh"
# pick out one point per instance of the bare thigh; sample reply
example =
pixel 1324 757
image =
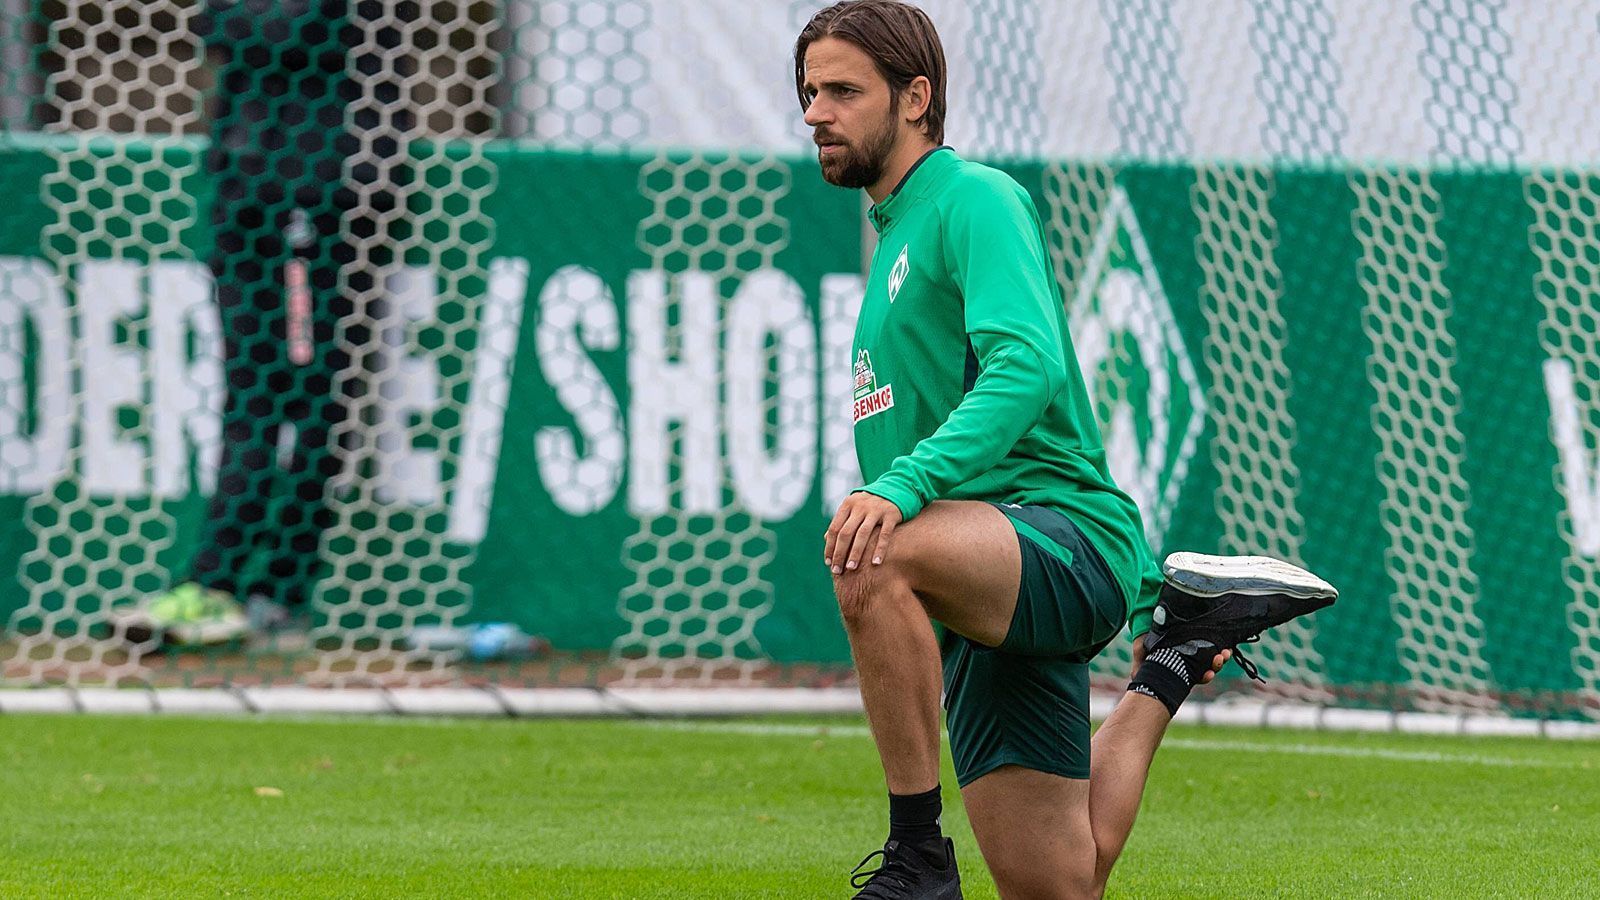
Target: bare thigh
pixel 961 559
pixel 1033 829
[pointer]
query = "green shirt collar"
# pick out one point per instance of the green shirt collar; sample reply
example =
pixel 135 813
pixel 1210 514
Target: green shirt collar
pixel 923 173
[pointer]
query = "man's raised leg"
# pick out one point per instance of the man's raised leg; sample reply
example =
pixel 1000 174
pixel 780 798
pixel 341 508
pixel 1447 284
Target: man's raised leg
pixel 1209 605
pixel 1120 757
pixel 1119 762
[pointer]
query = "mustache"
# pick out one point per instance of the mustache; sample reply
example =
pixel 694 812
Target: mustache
pixel 823 137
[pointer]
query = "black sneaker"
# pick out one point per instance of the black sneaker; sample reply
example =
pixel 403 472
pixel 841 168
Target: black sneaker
pixel 905 875
pixel 1215 603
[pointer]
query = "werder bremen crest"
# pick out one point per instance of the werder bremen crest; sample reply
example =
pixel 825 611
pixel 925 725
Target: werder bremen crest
pixel 899 271
pixel 870 399
pixel 1146 394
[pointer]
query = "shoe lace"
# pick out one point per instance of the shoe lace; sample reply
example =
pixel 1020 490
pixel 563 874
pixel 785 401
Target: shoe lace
pixel 1244 662
pixel 893 873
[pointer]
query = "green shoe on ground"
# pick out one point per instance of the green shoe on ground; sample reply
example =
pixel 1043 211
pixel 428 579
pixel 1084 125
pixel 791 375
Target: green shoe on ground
pixel 189 614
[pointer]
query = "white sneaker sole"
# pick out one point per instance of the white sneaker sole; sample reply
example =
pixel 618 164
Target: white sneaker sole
pixel 1212 576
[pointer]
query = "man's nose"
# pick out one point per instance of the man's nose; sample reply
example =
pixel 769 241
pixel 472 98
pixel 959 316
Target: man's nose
pixel 817 114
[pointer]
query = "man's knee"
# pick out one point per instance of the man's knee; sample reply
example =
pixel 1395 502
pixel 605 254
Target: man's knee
pixel 1032 878
pixel 1031 886
pixel 866 590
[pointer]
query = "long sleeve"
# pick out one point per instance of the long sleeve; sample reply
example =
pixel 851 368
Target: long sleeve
pixel 994 250
pixel 1011 392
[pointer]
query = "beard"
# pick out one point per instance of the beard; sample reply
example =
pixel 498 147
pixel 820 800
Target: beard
pixel 860 164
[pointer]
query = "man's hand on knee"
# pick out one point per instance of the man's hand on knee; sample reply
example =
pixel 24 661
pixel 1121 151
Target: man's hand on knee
pixel 850 534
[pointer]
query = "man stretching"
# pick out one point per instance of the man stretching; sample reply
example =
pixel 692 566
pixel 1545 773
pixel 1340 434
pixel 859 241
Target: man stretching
pixel 989 507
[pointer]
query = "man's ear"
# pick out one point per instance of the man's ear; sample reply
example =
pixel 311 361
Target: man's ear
pixel 916 98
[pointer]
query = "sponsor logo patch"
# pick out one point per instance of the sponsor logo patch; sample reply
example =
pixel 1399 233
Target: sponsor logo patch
pixel 870 399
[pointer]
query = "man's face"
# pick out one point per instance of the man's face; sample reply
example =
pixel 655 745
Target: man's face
pixel 851 111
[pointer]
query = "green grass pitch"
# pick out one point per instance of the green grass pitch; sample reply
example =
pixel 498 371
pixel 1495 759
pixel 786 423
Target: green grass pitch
pixel 175 807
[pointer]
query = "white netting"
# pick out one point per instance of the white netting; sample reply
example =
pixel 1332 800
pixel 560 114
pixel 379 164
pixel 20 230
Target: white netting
pixel 1221 184
pixel 1407 317
pixel 1426 497
pixel 700 550
pixel 1565 237
pixel 93 474
pixel 420 238
pixel 1253 451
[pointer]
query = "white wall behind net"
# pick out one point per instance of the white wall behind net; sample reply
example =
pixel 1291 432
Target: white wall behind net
pixel 1232 79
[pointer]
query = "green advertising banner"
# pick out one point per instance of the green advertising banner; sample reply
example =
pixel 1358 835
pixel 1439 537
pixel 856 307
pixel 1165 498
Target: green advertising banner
pixel 641 373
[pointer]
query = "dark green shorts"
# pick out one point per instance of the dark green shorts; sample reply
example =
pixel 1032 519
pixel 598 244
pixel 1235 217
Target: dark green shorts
pixel 1026 702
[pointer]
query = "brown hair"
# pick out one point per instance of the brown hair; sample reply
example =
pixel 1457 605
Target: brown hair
pixel 899 37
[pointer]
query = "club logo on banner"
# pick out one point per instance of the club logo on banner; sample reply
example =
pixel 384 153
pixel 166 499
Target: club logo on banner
pixel 870 399
pixel 1146 394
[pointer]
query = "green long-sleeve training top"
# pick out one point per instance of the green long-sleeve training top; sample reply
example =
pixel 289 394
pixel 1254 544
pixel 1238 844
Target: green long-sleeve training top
pixel 966 383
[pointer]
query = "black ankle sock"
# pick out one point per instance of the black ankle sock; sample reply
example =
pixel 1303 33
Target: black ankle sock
pixel 914 822
pixel 1167 675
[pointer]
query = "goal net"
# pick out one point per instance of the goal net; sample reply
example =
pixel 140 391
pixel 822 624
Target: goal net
pixel 386 320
